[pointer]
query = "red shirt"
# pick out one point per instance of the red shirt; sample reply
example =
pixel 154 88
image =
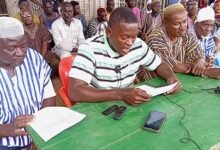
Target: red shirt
pixel 203 3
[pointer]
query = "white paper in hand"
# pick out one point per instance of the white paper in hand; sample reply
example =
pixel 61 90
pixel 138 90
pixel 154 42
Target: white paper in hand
pixel 158 90
pixel 50 121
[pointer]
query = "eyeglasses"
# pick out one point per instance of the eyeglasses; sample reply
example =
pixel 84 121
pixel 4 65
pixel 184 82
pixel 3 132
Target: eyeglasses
pixel 25 16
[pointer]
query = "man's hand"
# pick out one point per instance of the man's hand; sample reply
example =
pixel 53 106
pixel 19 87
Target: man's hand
pixel 16 127
pixel 210 61
pixel 134 96
pixel 182 68
pixel 164 71
pixel 33 146
pixel 74 50
pixel 208 65
pixel 198 67
pixel 143 36
pixel 212 73
pixel 178 86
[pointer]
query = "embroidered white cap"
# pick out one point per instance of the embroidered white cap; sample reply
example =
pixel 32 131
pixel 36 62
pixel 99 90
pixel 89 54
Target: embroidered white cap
pixel 206 13
pixel 149 1
pixel 10 27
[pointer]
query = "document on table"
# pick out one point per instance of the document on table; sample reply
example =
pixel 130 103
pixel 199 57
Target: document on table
pixel 50 121
pixel 154 91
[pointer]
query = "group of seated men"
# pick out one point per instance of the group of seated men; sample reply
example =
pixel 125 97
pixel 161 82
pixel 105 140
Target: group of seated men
pixel 63 32
pixel 105 66
pixel 57 35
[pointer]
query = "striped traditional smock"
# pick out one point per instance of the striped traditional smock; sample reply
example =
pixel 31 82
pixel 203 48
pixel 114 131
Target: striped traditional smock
pixel 184 50
pixel 24 93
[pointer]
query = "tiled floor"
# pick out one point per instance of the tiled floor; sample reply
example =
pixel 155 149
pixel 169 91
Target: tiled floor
pixel 57 84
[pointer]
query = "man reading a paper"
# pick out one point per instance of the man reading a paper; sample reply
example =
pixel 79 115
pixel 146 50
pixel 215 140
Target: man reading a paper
pixel 105 66
pixel 25 85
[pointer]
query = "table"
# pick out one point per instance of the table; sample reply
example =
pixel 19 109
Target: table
pixel 99 132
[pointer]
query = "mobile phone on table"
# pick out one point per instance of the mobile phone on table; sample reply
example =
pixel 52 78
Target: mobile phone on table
pixel 110 109
pixel 154 121
pixel 119 113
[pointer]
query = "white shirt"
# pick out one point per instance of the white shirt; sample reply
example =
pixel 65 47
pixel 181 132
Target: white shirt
pixel 67 37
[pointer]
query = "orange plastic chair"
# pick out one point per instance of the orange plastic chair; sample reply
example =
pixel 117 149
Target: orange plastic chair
pixel 64 69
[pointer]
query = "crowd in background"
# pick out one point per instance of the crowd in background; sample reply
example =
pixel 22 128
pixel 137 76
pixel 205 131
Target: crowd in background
pixel 48 33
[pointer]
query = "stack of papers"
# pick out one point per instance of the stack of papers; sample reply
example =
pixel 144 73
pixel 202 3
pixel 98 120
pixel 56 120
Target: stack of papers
pixel 50 121
pixel 158 90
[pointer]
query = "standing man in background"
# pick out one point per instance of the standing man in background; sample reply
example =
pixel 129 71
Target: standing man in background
pixel 78 15
pixel 110 6
pixel 151 21
pixel 131 4
pixel 49 15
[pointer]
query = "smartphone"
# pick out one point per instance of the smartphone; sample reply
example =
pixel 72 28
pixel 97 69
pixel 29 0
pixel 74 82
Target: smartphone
pixel 119 113
pixel 110 109
pixel 154 121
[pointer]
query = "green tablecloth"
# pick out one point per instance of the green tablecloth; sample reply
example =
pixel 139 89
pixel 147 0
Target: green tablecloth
pixel 96 131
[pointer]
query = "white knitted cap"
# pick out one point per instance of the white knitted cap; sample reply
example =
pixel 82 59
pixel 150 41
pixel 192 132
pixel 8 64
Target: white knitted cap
pixel 149 1
pixel 206 13
pixel 10 27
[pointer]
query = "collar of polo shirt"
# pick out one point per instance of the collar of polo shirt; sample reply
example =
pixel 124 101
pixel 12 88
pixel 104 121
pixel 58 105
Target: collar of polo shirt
pixel 109 50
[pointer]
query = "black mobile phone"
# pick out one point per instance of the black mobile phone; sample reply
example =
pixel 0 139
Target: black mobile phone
pixel 110 110
pixel 154 121
pixel 119 113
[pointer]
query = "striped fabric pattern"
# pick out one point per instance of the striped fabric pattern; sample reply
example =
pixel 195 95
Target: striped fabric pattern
pixel 23 93
pixel 208 46
pixel 97 64
pixel 91 29
pixel 188 51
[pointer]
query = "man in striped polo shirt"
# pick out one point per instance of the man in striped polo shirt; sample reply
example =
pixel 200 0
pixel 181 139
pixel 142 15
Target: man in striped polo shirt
pixel 178 47
pixel 25 85
pixel 106 65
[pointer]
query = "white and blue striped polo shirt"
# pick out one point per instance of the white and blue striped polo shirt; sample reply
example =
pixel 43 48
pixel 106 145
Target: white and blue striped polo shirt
pixel 97 64
pixel 24 93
